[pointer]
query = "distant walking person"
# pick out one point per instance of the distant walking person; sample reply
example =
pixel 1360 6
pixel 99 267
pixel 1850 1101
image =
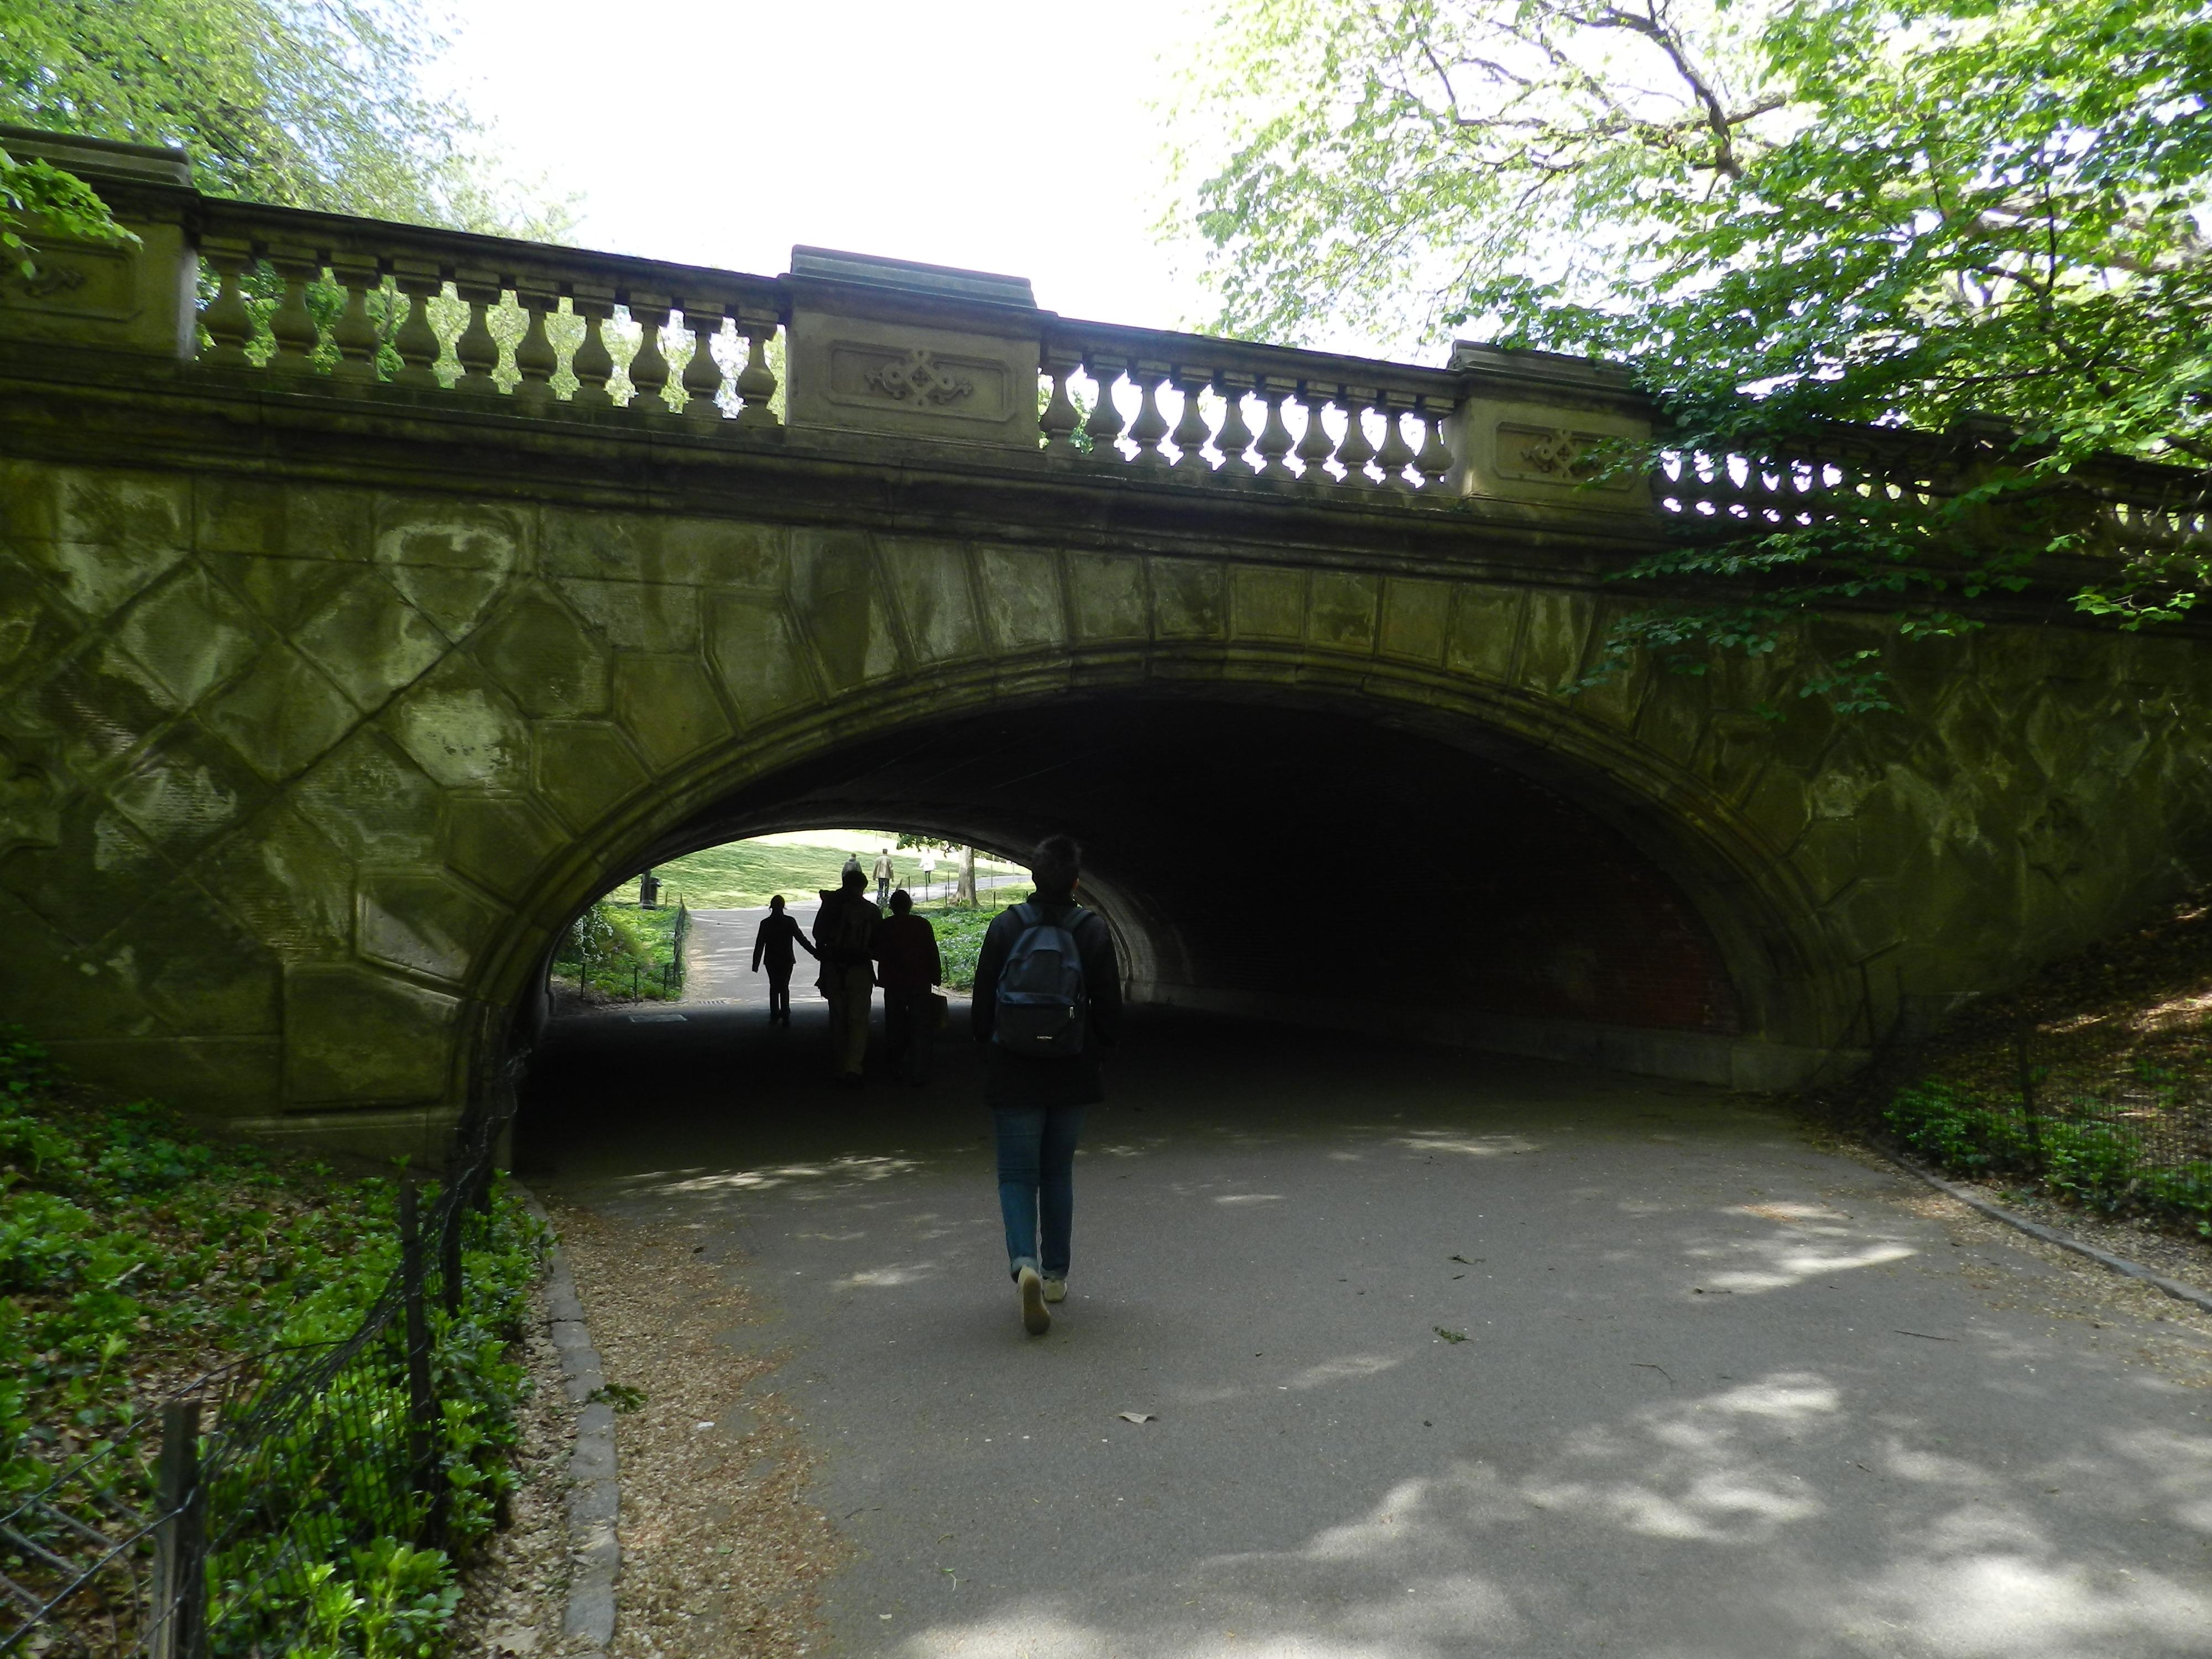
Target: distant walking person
pixel 779 934
pixel 852 867
pixel 908 967
pixel 886 874
pixel 844 931
pixel 928 870
pixel 1047 997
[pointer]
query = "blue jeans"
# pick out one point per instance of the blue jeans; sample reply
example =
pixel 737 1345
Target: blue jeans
pixel 1037 1184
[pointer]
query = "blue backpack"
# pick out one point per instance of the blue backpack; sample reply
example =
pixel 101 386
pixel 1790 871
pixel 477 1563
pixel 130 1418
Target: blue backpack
pixel 1042 1002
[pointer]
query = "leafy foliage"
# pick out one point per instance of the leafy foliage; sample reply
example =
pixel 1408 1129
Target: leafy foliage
pixel 1986 216
pixel 304 103
pixel 136 1254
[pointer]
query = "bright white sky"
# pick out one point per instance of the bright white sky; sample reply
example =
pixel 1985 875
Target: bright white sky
pixel 1010 136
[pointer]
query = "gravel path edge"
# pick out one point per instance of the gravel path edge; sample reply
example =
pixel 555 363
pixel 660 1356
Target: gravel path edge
pixel 594 1495
pixel 2118 1264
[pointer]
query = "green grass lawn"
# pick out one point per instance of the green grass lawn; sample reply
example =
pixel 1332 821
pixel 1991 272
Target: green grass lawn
pixel 742 874
pixel 959 938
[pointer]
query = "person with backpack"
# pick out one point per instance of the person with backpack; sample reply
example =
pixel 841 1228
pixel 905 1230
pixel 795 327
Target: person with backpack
pixel 844 931
pixel 1047 997
pixel 909 968
pixel 778 937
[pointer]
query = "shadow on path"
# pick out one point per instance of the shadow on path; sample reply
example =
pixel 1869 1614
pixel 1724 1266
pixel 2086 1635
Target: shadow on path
pixel 1720 1393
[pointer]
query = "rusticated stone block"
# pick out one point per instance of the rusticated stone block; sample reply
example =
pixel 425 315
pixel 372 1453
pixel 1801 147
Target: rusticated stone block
pixel 840 609
pixel 421 922
pixel 499 841
pixel 755 649
pixel 668 706
pixel 284 716
pixel 547 661
pixel 360 1035
pixel 463 729
pixel 929 582
pixel 584 768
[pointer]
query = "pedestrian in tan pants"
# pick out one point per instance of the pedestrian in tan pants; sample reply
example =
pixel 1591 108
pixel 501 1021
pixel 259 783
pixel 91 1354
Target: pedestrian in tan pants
pixel 844 933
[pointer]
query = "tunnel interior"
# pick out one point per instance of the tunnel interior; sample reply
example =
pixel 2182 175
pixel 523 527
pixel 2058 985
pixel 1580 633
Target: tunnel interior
pixel 1256 854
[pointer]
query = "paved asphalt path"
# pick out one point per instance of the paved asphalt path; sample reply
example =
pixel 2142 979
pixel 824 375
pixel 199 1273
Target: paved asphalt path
pixel 1721 1393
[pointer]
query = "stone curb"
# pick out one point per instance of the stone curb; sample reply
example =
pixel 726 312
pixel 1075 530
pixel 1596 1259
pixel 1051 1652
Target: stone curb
pixel 595 1497
pixel 2118 1264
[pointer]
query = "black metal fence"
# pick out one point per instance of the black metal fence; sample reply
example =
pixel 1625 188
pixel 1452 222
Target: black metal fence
pixel 288 1491
pixel 2113 1109
pixel 596 957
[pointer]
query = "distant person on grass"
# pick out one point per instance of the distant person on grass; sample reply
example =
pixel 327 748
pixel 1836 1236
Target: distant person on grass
pixel 1047 997
pixel 852 867
pixel 844 933
pixel 909 966
pixel 886 874
pixel 778 934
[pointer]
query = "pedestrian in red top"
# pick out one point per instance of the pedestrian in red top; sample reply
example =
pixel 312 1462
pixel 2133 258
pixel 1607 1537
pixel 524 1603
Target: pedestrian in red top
pixel 908 967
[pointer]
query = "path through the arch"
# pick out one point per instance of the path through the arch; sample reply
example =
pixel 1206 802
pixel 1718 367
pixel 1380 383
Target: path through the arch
pixel 1721 1392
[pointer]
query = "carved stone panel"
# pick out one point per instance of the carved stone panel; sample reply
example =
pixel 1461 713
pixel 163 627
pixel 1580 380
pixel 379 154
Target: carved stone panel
pixel 136 298
pixel 923 377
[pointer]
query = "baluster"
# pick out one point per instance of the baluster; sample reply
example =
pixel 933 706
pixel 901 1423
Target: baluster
pixel 756 380
pixel 1395 454
pixel 292 325
pixel 593 365
pixel 1192 432
pixel 229 322
pixel 703 376
pixel 1434 462
pixel 417 341
pixel 1275 436
pixel 475 351
pixel 354 333
pixel 649 369
pixel 1235 437
pixel 1315 446
pixel 1354 451
pixel 1103 428
pixel 1059 418
pixel 1149 426
pixel 535 359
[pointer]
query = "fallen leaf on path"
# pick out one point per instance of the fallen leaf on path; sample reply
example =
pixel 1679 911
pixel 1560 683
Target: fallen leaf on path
pixel 1451 1336
pixel 1136 1417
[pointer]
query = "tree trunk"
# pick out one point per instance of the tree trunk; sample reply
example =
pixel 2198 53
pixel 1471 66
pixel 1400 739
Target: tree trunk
pixel 966 892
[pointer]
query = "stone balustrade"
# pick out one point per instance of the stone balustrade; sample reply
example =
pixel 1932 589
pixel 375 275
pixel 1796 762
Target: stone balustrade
pixel 369 305
pixel 882 353
pixel 1194 406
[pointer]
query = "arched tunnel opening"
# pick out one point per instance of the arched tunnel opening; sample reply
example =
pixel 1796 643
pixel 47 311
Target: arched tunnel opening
pixel 1294 862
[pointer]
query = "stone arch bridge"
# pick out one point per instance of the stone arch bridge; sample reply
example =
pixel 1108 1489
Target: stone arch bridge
pixel 360 621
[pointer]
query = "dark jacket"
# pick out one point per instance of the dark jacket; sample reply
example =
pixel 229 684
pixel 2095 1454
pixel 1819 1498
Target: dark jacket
pixel 1020 1079
pixel 844 928
pixel 906 954
pixel 779 932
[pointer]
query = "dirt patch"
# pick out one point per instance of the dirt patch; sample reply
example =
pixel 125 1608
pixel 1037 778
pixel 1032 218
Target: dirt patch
pixel 722 1554
pixel 513 1595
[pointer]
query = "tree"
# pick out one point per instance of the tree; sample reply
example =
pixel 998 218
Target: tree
pixel 1978 216
pixel 303 103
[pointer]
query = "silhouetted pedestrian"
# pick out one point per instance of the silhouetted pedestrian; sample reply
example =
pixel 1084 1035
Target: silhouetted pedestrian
pixel 844 933
pixel 779 934
pixel 909 966
pixel 1047 997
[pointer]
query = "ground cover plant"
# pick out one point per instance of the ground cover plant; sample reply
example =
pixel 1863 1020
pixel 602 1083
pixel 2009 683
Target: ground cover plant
pixel 2094 1081
pixel 138 1255
pixel 960 932
pixel 618 949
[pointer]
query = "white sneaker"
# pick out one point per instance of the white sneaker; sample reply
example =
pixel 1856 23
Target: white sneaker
pixel 1055 1290
pixel 1035 1319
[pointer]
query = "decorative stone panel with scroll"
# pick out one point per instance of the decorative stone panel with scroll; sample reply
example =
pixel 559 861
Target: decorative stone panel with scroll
pixel 888 347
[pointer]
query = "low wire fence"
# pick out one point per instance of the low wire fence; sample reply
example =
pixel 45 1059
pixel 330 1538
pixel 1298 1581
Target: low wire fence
pixel 2111 1109
pixel 298 1497
pixel 625 961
